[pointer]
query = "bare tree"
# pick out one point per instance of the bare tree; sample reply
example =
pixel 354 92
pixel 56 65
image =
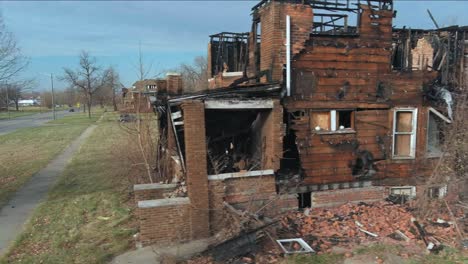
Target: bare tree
pixel 11 59
pixel 195 75
pixel 142 68
pixel 88 78
pixel 111 85
pixel 15 90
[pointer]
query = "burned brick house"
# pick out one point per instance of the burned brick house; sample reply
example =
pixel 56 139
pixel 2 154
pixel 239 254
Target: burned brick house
pixel 306 109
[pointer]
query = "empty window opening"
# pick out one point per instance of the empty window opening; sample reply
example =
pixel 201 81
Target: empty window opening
pixel 404 133
pixel 236 140
pixel 345 119
pixel 305 200
pixel 437 192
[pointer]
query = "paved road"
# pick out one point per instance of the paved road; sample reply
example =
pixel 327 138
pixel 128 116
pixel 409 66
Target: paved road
pixel 7 126
pixel 20 208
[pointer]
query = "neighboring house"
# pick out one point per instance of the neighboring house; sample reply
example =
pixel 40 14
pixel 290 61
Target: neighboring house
pixel 306 110
pixel 27 102
pixel 143 93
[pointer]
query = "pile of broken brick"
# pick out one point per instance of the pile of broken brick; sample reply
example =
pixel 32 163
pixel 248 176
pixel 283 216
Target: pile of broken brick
pixel 352 224
pixel 348 226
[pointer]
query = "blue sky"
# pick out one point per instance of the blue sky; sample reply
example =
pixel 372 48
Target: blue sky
pixel 53 33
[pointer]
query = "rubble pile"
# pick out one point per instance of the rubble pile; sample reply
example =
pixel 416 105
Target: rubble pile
pixel 352 224
pixel 179 191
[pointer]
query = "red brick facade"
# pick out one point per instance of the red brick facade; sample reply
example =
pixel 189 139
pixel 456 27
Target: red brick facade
pixel 164 224
pixel 196 175
pixel 273 34
pixel 143 192
pixel 248 193
pixel 331 198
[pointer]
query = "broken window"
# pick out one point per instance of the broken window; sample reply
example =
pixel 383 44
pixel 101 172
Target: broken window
pixel 435 135
pixel 333 120
pixel 404 133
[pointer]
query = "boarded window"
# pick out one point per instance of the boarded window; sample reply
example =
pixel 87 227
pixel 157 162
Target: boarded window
pixel 404 133
pixel 320 119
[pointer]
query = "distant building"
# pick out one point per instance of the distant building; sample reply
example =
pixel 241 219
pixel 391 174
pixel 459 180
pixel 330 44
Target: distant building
pixel 28 102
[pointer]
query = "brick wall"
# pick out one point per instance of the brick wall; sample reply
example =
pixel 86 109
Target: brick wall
pixel 196 166
pixel 152 191
pixel 422 55
pixel 273 33
pixel 251 193
pixel 332 198
pixel 174 83
pixel 164 221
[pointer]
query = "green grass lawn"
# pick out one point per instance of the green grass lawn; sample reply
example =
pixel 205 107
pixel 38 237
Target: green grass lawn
pixel 87 217
pixel 27 150
pixel 80 118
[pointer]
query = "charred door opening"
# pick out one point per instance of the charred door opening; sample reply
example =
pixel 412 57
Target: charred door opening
pixel 304 200
pixel 236 139
pixel 290 163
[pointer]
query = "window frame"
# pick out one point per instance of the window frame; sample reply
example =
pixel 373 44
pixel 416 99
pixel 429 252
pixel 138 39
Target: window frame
pixel 436 113
pixel 413 133
pixel 412 190
pixel 333 121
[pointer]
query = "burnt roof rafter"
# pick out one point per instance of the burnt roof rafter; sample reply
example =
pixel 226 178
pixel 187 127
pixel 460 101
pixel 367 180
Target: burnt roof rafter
pixel 332 5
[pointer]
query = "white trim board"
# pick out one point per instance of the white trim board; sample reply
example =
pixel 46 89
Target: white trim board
pixel 240 174
pixel 239 104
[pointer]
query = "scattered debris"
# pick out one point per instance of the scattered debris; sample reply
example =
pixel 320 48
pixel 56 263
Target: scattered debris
pixel 352 224
pixel 294 246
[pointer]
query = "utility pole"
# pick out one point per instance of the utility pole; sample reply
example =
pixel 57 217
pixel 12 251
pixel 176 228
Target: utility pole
pixel 8 101
pixel 53 99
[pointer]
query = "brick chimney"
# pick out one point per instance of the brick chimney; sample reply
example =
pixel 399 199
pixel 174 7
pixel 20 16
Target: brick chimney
pixel 174 83
pixel 270 20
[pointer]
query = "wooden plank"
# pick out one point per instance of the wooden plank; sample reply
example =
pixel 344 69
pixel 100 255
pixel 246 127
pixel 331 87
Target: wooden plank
pixel 353 66
pixel 320 57
pixel 292 105
pixel 239 104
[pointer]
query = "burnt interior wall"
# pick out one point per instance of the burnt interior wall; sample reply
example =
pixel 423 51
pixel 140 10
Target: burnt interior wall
pixel 236 140
pixel 244 139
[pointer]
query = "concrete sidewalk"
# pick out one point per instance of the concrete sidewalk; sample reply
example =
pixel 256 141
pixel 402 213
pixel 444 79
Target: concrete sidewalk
pixel 19 209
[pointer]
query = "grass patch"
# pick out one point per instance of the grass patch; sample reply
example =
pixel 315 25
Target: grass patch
pixel 77 119
pixel 328 258
pixel 27 150
pixel 378 249
pixel 87 217
pixel 446 256
pixel 23 111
